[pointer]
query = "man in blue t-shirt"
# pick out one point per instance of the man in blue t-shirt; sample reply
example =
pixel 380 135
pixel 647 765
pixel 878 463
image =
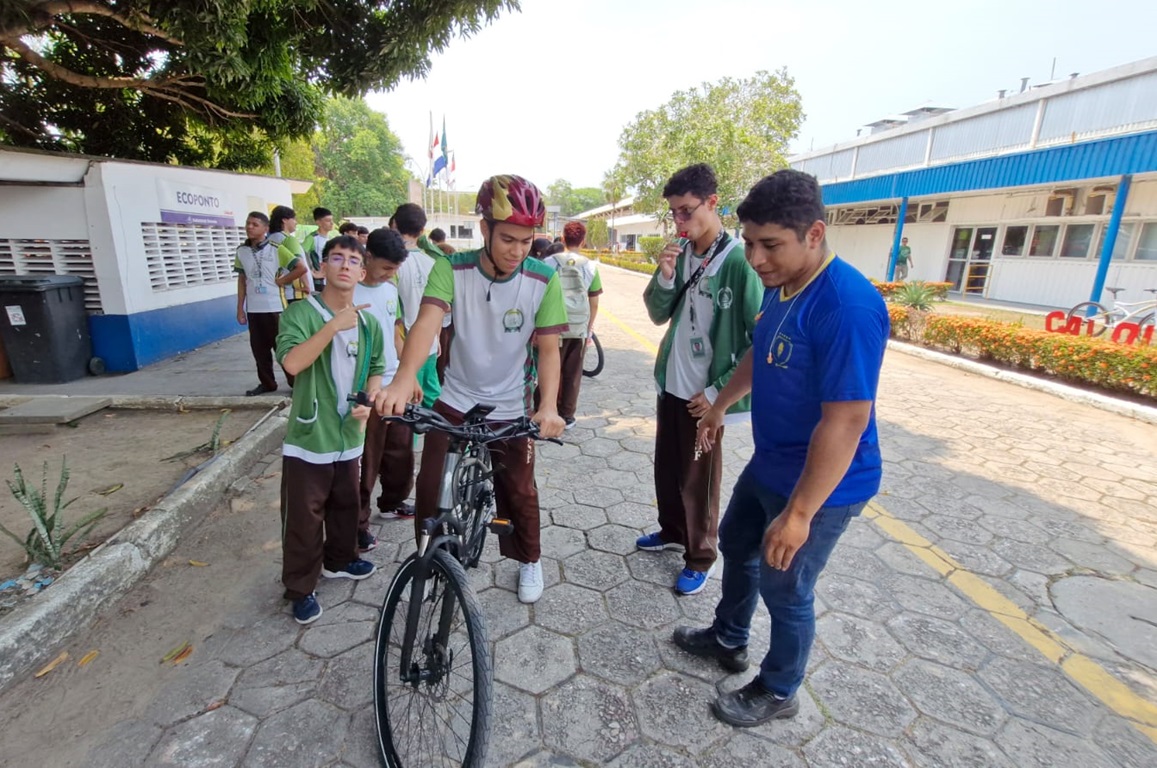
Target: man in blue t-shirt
pixel 812 370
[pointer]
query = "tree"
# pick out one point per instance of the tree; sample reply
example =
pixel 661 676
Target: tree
pixel 741 127
pixel 359 160
pixel 572 201
pixel 210 82
pixel 598 236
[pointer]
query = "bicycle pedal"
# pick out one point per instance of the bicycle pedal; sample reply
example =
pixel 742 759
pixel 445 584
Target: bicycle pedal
pixel 501 527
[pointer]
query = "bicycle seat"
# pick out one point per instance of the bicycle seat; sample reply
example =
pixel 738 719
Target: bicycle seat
pixel 1114 291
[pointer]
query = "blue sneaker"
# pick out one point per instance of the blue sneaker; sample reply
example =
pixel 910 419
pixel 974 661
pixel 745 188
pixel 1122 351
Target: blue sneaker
pixel 653 543
pixel 356 570
pixel 306 610
pixel 692 582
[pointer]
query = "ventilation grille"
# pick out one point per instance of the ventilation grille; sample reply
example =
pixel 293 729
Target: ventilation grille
pixel 183 255
pixel 52 257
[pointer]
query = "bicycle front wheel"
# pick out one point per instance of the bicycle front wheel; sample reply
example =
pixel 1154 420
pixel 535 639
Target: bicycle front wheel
pixel 1091 310
pixel 475 495
pixel 593 360
pixel 433 712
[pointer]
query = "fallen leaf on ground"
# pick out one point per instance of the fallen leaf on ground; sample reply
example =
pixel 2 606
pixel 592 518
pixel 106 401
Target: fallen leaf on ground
pixel 111 489
pixel 175 652
pixel 183 654
pixel 63 657
pixel 197 564
pixel 88 657
pixel 215 705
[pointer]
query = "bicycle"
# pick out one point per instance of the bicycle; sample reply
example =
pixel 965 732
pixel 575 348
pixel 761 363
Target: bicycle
pixel 433 678
pixel 1122 312
pixel 591 370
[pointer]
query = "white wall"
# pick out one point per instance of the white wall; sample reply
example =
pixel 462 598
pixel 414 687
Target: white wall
pixel 131 194
pixel 867 246
pixel 1063 284
pixel 49 213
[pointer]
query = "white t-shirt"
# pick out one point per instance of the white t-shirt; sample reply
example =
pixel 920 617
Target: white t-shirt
pixel 383 301
pixel 689 363
pixel 490 360
pixel 260 266
pixel 412 278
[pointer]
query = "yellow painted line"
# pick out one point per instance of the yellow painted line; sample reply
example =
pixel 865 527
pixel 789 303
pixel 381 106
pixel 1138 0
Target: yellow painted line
pixel 645 342
pixel 1081 669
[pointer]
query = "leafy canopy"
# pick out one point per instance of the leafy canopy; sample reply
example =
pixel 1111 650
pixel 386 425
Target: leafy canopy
pixel 206 82
pixel 740 127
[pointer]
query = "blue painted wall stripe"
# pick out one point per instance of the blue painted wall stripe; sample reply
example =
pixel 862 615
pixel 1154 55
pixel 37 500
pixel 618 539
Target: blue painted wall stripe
pixel 1136 153
pixel 129 342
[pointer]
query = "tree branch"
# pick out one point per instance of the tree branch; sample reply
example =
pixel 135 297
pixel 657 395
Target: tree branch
pixel 141 23
pixel 73 78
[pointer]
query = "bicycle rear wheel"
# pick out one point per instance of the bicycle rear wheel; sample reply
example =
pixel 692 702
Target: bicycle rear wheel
pixel 1091 310
pixel 436 713
pixel 593 360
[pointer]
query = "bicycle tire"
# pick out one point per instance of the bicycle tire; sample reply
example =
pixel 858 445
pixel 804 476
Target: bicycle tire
pixel 475 493
pixel 1100 316
pixel 402 709
pixel 600 359
pixel 1149 319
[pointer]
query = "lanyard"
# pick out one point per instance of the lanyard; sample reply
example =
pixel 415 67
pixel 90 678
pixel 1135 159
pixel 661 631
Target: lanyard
pixel 693 281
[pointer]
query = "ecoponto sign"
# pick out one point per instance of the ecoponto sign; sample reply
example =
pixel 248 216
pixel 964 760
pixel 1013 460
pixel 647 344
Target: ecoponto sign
pixel 183 203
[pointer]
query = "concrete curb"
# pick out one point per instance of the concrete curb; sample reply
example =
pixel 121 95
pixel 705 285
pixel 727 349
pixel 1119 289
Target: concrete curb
pixel 36 630
pixel 1144 413
pixel 167 402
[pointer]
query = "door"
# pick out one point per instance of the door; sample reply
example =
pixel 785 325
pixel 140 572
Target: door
pixel 980 260
pixel 958 257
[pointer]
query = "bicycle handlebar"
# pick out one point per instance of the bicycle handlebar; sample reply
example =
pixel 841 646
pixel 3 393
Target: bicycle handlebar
pixel 422 420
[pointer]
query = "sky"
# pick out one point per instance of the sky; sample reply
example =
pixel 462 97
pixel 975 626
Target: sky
pixel 546 92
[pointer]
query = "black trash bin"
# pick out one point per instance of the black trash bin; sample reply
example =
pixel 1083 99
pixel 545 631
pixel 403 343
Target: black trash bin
pixel 44 327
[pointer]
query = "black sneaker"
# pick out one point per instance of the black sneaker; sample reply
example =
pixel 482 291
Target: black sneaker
pixel 753 705
pixel 702 642
pixel 366 541
pixel 259 390
pixel 403 511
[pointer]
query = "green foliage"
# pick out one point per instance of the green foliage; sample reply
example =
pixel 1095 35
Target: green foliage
pixel 915 295
pixel 652 247
pixel 633 265
pixel 360 161
pixel 741 127
pixel 598 236
pixel 211 82
pixel 45 543
pixel 573 201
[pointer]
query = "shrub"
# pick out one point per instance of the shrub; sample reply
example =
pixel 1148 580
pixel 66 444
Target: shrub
pixel 887 290
pixel 652 247
pixel 633 265
pixel 917 296
pixel 45 543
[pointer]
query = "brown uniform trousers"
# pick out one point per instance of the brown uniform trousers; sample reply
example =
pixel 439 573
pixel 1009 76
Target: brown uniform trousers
pixel 389 455
pixel 319 520
pixel 263 343
pixel 516 495
pixel 571 355
pixel 686 489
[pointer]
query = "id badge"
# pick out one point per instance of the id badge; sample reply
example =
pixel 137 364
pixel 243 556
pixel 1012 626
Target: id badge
pixel 698 348
pixel 261 289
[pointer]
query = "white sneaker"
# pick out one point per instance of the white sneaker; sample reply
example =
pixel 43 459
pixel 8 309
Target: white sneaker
pixel 529 582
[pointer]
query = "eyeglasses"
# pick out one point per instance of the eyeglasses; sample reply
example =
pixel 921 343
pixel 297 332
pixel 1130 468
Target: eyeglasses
pixel 683 214
pixel 339 260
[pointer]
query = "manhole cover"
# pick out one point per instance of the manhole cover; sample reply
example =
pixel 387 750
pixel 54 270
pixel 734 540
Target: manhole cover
pixel 1123 612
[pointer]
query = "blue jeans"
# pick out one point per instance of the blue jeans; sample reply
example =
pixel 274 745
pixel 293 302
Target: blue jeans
pixel 788 595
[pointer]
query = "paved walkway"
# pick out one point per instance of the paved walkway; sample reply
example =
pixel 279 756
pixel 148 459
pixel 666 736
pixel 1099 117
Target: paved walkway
pixel 995 607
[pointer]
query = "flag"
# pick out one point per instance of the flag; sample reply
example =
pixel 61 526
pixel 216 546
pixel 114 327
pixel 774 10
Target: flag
pixel 433 140
pixel 445 158
pixel 439 166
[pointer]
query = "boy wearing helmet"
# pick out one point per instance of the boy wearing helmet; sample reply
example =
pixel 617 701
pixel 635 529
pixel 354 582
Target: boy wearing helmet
pixel 501 302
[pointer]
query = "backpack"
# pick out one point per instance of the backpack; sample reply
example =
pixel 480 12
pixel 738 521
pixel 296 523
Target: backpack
pixel 572 277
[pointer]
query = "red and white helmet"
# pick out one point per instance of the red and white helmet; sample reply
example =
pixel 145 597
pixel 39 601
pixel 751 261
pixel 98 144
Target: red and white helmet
pixel 511 199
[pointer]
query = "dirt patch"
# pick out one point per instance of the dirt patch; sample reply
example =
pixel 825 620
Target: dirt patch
pixel 107 449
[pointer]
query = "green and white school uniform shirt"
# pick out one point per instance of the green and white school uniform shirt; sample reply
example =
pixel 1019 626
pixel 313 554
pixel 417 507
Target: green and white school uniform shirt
pixel 321 429
pixel 490 360
pixel 261 265
pixel 384 305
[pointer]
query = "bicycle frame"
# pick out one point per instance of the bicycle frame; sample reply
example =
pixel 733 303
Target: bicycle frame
pixel 1121 314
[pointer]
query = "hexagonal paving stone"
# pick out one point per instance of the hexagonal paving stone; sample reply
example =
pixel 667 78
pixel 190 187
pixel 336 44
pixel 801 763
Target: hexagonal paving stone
pixel 128 743
pixel 860 564
pixel 673 710
pixel 901 559
pixel 1041 693
pixel 258 641
pixel 595 570
pixel 643 605
pixel 651 756
pixel 589 719
pixel 217 738
pixel 1020 529
pixel 845 747
pixel 978 559
pixel 661 568
pixel 957 529
pixel 937 640
pixel 534 660
pixel 923 596
pixel 309 734
pixel 793 732
pixel 951 696
pixel 504 614
pixel 861 699
pixel 339 635
pixel 578 516
pixel 633 514
pixel 560 543
pixel 1095 557
pixel 514 726
pixel 347 681
pixel 277 683
pixel 861 534
pixel 597 497
pixel 1035 746
pixel 938 746
pixel 191 690
pixel 616 539
pixel 996 637
pixel 1124 743
pixel 745 749
pixel 546 760
pixel 360 749
pixel 855 596
pixel 570 610
pixel 859 640
pixel 619 653
pixel 600 446
pixel 1032 557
